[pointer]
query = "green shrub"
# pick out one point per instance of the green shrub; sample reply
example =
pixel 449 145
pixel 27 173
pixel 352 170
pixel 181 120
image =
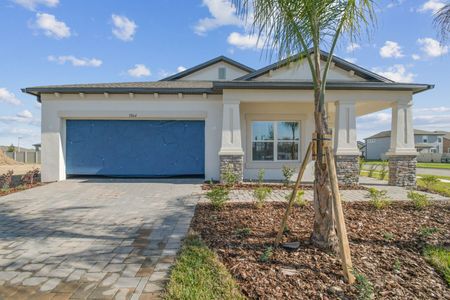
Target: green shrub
pixel 266 255
pixel 384 170
pixel 243 232
pixel 364 286
pixel 429 180
pixel 229 177
pixel 218 197
pixel 379 198
pixel 299 199
pixel 261 174
pixel 419 200
pixel 261 193
pixel 388 236
pixel 288 172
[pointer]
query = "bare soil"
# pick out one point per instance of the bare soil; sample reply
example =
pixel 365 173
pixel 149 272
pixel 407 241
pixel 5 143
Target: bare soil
pixel 386 247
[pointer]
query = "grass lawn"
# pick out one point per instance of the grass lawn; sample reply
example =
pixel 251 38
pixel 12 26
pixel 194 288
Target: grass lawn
pixel 439 258
pixel 419 165
pixel 442 188
pixel 198 274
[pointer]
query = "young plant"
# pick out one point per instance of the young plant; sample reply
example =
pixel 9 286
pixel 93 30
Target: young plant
pixel 427 231
pixel 266 255
pixel 388 236
pixel 429 181
pixel 261 174
pixel 243 232
pixel 261 193
pixel 218 197
pixel 361 162
pixel 419 200
pixel 230 178
pixel 364 286
pixel 288 172
pixel 384 170
pixel 379 198
pixel 299 199
pixel 31 177
pixel 6 180
pixel 396 267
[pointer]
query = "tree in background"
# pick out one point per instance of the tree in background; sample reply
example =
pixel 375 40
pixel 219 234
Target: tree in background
pixel 11 148
pixel 305 27
pixel 442 22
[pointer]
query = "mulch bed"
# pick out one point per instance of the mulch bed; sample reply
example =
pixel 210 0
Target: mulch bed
pixel 393 264
pixel 4 192
pixel 275 186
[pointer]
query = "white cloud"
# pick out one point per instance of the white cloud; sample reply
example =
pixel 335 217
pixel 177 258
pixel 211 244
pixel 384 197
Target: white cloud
pixel 8 97
pixel 22 119
pixel 223 13
pixel 51 26
pixel 438 109
pixel 415 56
pixel 32 4
pixel 432 5
pixel 391 49
pixel 245 41
pixel 352 47
pixel 139 70
pixel 76 62
pixel 25 114
pixel 351 59
pixel 181 69
pixel 397 73
pixel 124 29
pixel 432 48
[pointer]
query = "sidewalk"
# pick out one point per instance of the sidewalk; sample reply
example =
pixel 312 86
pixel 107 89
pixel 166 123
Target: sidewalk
pixel 394 192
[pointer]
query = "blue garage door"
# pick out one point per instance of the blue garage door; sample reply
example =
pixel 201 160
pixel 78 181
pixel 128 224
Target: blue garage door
pixel 138 148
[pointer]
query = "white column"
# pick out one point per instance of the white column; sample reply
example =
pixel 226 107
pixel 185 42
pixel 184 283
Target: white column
pixel 345 141
pixel 231 130
pixel 402 131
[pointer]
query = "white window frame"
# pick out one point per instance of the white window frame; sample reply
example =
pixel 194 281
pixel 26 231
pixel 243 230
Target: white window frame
pixel 275 141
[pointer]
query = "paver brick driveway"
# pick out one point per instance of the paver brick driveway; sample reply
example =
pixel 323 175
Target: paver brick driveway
pixel 96 239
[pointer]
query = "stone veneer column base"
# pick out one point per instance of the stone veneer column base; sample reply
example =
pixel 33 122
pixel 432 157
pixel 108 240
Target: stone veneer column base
pixel 347 169
pixel 402 170
pixel 235 163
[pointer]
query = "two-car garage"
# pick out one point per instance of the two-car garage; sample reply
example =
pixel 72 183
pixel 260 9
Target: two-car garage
pixel 135 148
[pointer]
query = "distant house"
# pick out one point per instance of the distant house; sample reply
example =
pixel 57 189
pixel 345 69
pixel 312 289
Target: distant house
pixel 425 142
pixel 446 143
pixel 362 148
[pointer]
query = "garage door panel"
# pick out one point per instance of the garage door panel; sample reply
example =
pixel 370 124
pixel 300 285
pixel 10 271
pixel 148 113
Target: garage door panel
pixel 134 148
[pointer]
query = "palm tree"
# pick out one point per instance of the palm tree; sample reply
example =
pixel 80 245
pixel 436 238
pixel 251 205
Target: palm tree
pixel 304 27
pixel 442 21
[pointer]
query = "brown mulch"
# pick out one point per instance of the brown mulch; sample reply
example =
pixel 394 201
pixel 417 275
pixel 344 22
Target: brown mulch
pixel 4 192
pixel 275 186
pixel 394 266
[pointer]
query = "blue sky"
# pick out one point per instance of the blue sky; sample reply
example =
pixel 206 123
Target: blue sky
pixel 68 41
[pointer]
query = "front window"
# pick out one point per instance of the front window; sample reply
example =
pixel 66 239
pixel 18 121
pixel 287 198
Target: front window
pixel 275 140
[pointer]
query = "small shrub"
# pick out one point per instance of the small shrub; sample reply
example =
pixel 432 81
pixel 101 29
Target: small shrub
pixel 361 162
pixel 427 231
pixel 429 180
pixel 218 197
pixel 299 199
pixel 288 172
pixel 396 267
pixel 364 286
pixel 243 232
pixel 266 255
pixel 229 177
pixel 261 193
pixel 419 200
pixel 31 177
pixel 6 180
pixel 388 236
pixel 379 198
pixel 384 170
pixel 261 174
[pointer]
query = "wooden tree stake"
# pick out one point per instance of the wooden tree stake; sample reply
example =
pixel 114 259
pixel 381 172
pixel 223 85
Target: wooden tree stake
pixel 293 195
pixel 344 247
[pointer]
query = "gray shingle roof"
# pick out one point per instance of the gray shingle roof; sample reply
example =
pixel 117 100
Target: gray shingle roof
pixel 387 133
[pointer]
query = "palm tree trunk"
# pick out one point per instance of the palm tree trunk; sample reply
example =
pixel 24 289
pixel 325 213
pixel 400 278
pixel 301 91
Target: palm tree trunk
pixel 324 232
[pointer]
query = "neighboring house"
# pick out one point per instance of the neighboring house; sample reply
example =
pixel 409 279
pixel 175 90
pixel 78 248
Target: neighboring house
pixel 446 143
pixel 220 116
pixel 425 142
pixel 362 148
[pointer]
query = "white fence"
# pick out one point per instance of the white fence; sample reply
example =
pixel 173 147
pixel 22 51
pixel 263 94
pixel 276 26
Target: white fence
pixel 27 157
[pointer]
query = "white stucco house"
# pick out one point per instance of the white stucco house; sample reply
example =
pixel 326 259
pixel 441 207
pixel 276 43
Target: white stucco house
pixel 217 114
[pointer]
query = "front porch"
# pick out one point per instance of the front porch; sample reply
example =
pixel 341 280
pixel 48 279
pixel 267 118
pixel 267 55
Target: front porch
pixel 246 148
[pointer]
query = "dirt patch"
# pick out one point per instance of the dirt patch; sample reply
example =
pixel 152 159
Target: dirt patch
pixel 5 160
pixel 19 169
pixel 386 247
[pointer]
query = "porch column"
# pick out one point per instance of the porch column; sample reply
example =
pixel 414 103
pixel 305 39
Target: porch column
pixel 345 143
pixel 231 153
pixel 402 152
